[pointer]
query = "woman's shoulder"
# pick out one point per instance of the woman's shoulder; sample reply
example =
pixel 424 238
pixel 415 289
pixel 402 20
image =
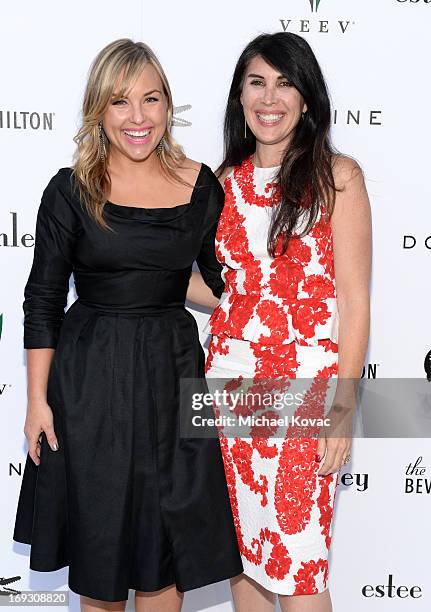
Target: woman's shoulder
pixel 345 169
pixel 61 181
pixel 198 174
pixel 188 170
pixel 61 196
pixel 207 192
pixel 222 176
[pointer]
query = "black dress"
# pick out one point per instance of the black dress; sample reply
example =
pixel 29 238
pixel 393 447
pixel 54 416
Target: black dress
pixel 125 502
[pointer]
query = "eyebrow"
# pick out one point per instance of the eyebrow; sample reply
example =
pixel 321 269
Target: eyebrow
pixel 152 91
pixel 258 76
pixel 115 95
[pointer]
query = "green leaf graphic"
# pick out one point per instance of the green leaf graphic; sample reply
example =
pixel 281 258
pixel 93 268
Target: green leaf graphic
pixel 314 5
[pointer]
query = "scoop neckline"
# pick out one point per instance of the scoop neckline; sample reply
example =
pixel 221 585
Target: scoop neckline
pixel 156 208
pixel 262 167
pixel 266 167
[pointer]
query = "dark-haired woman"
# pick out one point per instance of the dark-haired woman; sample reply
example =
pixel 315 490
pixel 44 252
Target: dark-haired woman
pixel 295 241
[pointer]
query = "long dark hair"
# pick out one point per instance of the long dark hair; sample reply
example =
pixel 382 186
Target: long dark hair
pixel 305 179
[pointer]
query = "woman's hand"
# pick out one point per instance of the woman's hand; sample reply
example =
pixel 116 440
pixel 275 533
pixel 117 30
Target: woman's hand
pixel 335 441
pixel 39 414
pixel 199 293
pixel 39 419
pixel 335 451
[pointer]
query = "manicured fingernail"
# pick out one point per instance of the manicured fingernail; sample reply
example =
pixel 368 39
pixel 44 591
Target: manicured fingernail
pixel 317 458
pixel 55 446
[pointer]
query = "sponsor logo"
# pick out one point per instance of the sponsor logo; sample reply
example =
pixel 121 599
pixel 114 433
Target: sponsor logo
pixel 26 120
pixel 314 5
pixel 416 480
pixel 12 238
pixel 414 1
pixel 178 121
pixel 16 469
pixel 358 481
pixel 369 371
pixel 409 242
pixel 427 365
pixel 321 26
pixel 357 117
pixel 5 589
pixel 391 590
pixel 4 387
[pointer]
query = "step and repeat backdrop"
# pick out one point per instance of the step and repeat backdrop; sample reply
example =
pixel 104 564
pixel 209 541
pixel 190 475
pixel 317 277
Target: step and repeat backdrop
pixel 374 54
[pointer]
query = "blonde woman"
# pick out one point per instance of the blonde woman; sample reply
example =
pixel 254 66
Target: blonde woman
pixel 109 488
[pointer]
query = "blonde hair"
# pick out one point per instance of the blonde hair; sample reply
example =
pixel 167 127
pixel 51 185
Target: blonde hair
pixel 122 59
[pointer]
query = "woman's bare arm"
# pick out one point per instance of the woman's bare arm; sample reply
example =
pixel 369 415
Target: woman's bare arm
pixel 351 229
pixel 38 411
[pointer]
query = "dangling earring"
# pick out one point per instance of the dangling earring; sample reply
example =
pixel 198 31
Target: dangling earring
pixel 303 114
pixel 102 143
pixel 245 127
pixel 160 146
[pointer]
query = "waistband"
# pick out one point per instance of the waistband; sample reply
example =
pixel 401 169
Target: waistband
pixel 133 291
pixel 149 310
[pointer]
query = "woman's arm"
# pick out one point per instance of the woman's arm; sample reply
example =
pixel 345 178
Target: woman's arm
pixel 207 287
pixel 352 234
pixel 39 415
pixel 351 229
pixel 45 299
pixel 198 292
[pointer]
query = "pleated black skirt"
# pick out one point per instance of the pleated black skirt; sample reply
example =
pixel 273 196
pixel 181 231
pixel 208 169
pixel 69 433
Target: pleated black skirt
pixel 126 502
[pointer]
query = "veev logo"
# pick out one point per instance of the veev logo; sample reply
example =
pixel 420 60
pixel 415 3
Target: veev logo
pixel 314 5
pixel 322 26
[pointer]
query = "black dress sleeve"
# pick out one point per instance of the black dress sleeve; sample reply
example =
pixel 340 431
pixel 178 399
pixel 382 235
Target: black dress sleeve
pixel 207 261
pixel 48 283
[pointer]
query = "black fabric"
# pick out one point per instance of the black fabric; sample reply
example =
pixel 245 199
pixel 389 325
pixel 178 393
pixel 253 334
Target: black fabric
pixel 125 502
pixel 146 263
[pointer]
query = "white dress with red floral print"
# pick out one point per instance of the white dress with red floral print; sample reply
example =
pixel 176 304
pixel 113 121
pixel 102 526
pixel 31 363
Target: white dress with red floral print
pixel 277 317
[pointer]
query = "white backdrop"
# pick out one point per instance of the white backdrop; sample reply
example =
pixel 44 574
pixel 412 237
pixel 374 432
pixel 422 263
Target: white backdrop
pixel 374 56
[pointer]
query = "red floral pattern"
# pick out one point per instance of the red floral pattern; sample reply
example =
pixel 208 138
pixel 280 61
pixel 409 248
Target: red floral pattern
pixel 296 288
pixel 279 561
pixel 305 579
pixel 272 312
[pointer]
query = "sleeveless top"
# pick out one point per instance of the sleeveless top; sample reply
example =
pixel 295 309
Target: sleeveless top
pixel 270 301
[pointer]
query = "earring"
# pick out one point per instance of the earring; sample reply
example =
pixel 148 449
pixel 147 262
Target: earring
pixel 245 127
pixel 160 146
pixel 102 143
